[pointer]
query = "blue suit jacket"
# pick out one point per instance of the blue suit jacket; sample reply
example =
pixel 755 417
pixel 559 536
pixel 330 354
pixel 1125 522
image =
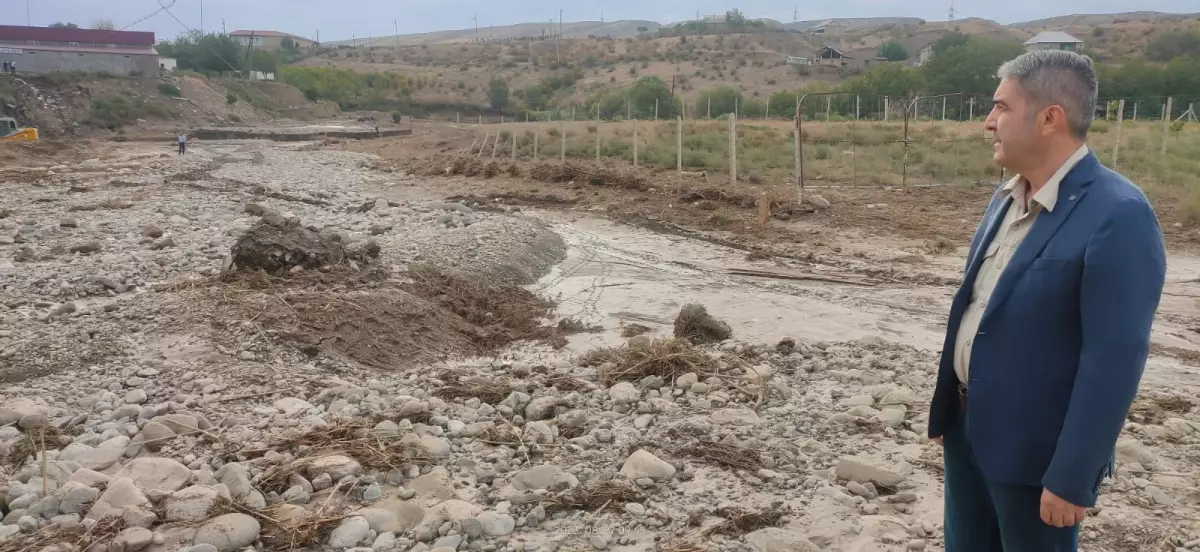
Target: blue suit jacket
pixel 1064 339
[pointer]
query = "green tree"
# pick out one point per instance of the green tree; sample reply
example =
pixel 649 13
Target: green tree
pixel 969 68
pixel 735 19
pixel 537 96
pixel 287 44
pixel 61 25
pixel 645 92
pixel 724 100
pixel 949 40
pixel 893 51
pixel 104 25
pixel 893 80
pixel 1173 44
pixel 498 93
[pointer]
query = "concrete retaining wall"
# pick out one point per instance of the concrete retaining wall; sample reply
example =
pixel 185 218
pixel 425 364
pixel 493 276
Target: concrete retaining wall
pixel 286 136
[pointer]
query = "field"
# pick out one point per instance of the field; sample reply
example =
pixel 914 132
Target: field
pixel 869 153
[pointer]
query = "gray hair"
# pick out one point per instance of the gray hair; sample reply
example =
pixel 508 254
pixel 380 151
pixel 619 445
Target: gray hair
pixel 1057 77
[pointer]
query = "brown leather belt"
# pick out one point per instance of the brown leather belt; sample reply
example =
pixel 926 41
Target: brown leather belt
pixel 962 396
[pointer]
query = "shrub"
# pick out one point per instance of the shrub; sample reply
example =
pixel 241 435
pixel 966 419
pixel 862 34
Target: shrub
pixel 397 116
pixel 170 90
pixel 230 98
pixel 235 119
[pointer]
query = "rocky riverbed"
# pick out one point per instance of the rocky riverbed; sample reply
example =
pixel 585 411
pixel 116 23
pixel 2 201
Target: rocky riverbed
pixel 154 400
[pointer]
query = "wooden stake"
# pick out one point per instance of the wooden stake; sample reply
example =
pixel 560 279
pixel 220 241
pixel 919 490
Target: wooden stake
pixel 535 146
pixel 486 135
pixel 562 142
pixel 799 181
pixel 597 142
pixel 495 146
pixel 1117 141
pixel 514 146
pixel 764 209
pixel 733 149
pixel 679 144
pixel 635 144
pixel 1166 125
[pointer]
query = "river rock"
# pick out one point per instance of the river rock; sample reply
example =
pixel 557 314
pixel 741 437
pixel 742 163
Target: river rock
pixel 229 532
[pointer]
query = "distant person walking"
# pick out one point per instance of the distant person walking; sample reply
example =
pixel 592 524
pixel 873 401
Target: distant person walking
pixel 12 66
pixel 6 67
pixel 182 144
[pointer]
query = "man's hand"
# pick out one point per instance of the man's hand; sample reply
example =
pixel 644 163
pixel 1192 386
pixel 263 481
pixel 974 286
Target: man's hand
pixel 941 441
pixel 1057 512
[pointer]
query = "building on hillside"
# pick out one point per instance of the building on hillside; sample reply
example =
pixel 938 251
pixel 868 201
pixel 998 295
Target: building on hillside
pixel 50 50
pixel 828 56
pixel 794 60
pixel 271 40
pixel 925 55
pixel 1053 40
pixel 829 27
pixel 167 64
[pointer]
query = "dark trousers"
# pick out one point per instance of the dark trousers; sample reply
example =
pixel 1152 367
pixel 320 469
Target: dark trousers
pixel 989 516
pixel 182 148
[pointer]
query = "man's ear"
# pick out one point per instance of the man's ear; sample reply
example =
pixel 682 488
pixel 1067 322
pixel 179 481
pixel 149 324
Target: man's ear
pixel 1050 118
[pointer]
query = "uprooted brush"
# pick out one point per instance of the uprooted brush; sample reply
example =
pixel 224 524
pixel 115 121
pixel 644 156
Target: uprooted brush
pixel 98 536
pixel 729 456
pixel 668 358
pixel 487 389
pixel 588 173
pixel 739 521
pixel 593 497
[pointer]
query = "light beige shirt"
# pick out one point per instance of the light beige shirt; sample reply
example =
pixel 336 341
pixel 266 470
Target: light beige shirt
pixel 1017 221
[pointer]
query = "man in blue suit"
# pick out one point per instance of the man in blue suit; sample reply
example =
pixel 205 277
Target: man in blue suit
pixel 1049 333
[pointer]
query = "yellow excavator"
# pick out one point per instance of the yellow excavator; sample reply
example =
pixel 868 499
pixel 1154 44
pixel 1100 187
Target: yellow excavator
pixel 10 132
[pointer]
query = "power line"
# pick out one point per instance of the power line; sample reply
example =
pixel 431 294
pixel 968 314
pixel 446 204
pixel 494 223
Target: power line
pixel 189 29
pixel 151 14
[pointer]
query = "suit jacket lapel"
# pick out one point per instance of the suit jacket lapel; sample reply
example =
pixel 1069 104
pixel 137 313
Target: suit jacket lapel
pixel 1070 193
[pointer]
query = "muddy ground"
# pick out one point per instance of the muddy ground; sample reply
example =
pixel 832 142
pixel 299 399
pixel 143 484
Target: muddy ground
pixel 190 403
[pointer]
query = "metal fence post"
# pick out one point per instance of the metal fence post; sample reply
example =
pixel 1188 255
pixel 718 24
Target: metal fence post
pixel 597 143
pixel 562 135
pixel 535 145
pixel 495 145
pixel 514 146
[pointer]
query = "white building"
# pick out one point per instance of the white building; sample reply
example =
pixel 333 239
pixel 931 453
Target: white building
pixel 1053 40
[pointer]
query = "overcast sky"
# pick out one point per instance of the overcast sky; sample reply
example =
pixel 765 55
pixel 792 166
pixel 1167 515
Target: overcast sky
pixel 340 19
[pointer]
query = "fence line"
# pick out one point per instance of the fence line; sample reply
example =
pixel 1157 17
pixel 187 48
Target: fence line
pixel 931 140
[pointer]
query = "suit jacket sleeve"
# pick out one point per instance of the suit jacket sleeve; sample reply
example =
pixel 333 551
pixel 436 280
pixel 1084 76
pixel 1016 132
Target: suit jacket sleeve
pixel 1124 268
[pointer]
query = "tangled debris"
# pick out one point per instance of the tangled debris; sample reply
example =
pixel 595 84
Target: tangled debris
pixel 667 358
pixel 612 495
pixel 739 521
pixel 277 246
pixel 697 326
pixel 724 454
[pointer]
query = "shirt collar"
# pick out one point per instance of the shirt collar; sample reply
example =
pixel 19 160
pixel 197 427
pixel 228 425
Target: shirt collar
pixel 1047 197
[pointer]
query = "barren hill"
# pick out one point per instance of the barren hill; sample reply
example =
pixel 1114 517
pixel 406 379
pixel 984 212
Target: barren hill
pixel 578 29
pixel 1088 20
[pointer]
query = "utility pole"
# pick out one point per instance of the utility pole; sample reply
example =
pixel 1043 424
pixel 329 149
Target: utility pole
pixel 223 26
pixel 249 47
pixel 396 23
pixel 29 14
pixel 201 16
pixel 557 53
pixel 476 17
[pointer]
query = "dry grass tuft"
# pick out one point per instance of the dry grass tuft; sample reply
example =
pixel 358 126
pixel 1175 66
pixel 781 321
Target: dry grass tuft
pixel 668 358
pixel 488 390
pixel 612 495
pixel 939 245
pixel 571 325
pixel 730 456
pixel 307 532
pixel 739 521
pixel 353 439
pixel 30 444
pixel 1156 410
pixel 51 538
pixel 697 326
pixel 634 330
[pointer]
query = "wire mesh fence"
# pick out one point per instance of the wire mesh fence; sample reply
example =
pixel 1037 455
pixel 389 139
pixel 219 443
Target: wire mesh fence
pixel 851 140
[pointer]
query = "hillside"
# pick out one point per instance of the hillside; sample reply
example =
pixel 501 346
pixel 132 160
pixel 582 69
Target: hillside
pixel 84 104
pixel 579 29
pixel 1089 20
